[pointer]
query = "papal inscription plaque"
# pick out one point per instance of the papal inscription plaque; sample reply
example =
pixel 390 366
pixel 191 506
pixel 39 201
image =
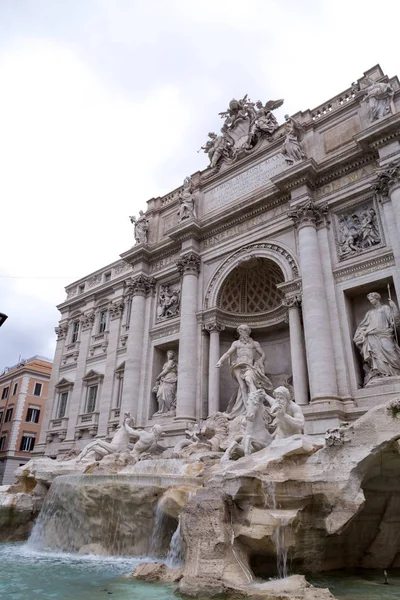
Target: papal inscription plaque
pixel 244 183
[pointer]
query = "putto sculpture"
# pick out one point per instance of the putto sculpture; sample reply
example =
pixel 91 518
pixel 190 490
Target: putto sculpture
pixel 141 227
pixel 166 386
pixel 246 369
pixel 187 207
pixel 244 123
pixel 376 338
pixel 379 96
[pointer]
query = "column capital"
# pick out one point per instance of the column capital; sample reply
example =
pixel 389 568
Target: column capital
pixel 387 177
pixel 116 309
pixel 188 264
pixel 214 325
pixel 308 214
pixel 141 285
pixel 87 320
pixel 61 330
pixel 292 301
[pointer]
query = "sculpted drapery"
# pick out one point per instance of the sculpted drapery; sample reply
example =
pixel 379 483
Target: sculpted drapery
pixel 375 338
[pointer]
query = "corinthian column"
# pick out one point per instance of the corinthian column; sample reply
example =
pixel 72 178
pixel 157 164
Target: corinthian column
pixel 318 337
pixel 297 351
pixel 139 288
pixel 214 328
pixel 189 266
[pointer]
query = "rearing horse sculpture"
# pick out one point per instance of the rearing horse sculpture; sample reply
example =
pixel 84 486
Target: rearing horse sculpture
pixel 256 436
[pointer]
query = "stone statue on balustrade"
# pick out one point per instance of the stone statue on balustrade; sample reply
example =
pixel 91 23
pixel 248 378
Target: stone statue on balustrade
pixel 169 301
pixel 357 231
pixel 141 227
pixel 217 147
pixel 292 149
pixel 379 96
pixel 187 207
pixel 376 338
pixel 247 369
pixel 264 119
pixel 98 449
pixel 166 386
pixel 146 443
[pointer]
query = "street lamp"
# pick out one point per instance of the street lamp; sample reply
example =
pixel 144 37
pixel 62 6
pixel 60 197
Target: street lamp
pixel 3 318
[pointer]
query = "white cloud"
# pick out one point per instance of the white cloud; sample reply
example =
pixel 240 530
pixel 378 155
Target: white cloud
pixel 104 104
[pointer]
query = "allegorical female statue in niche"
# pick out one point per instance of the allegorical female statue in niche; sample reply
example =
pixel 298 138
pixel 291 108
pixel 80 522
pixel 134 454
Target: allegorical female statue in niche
pixel 166 385
pixel 376 339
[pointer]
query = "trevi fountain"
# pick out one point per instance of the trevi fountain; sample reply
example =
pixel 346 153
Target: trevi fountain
pixel 224 414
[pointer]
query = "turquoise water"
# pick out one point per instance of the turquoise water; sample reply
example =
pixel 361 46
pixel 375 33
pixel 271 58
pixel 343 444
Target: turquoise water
pixel 26 574
pixel 365 585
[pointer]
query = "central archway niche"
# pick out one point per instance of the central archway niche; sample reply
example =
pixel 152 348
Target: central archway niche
pixel 249 294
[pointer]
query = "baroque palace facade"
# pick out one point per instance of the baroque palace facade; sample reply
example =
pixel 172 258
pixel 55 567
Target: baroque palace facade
pixel 288 231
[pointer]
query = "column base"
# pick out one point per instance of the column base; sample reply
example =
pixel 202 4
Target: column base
pixel 180 419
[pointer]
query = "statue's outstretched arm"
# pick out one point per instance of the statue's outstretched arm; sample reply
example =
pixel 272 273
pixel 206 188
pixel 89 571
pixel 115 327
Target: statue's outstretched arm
pixel 225 356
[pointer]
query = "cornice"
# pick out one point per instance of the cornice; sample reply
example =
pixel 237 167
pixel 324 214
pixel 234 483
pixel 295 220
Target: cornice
pixel 364 266
pixel 187 230
pixel 380 132
pixel 229 320
pixel 301 173
pixel 138 253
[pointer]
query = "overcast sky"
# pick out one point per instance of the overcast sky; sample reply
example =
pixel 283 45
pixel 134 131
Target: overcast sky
pixel 104 104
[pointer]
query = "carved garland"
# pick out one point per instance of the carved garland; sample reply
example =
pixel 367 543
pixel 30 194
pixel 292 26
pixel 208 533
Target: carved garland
pixel 233 258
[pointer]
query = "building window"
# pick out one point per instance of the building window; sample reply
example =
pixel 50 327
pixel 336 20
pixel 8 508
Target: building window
pixel 32 415
pixel 62 405
pixel 15 389
pixel 81 288
pixel 2 442
pixel 120 387
pixel 37 389
pixel 1 416
pixel 27 443
pixel 102 321
pixel 9 413
pixel 107 276
pixel 4 394
pixel 91 398
pixel 75 332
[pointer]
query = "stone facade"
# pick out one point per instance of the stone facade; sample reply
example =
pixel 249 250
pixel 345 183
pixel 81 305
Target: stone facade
pixel 289 230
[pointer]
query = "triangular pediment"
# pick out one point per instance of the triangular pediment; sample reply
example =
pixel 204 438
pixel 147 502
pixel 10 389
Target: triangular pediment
pixel 120 368
pixel 64 383
pixel 93 375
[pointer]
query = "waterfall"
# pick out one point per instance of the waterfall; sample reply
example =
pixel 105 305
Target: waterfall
pixel 116 512
pixel 282 534
pixel 176 552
